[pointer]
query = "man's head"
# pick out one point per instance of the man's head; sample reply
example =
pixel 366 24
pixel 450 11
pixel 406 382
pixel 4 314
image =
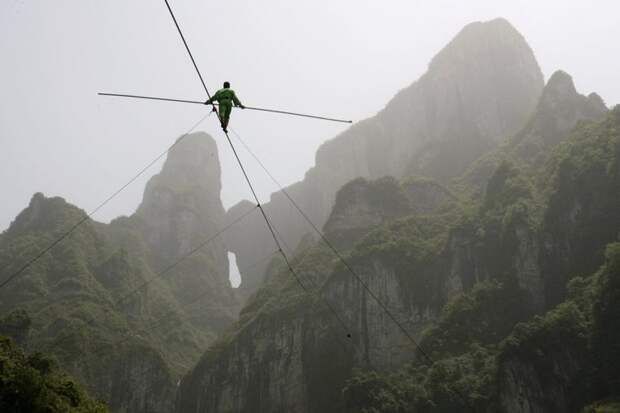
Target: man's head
pixel 226 85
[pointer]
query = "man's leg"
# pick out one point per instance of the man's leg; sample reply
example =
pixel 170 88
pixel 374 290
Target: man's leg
pixel 225 115
pixel 221 114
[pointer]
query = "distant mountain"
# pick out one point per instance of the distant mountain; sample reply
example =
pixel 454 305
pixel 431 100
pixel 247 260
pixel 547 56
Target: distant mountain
pixel 478 91
pixel 180 210
pixel 480 210
pixel 96 301
pixel 501 263
pixel 512 297
pixel 559 110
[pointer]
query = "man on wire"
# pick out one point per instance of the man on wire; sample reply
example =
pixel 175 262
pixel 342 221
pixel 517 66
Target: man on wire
pixel 226 98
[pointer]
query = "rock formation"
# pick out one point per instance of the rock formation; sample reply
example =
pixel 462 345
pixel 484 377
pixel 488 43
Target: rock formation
pixel 123 306
pixel 478 91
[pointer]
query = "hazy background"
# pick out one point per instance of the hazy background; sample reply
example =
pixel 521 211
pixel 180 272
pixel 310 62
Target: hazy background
pixel 342 58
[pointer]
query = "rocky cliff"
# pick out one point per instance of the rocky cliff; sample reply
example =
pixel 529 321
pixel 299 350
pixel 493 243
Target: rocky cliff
pixel 292 350
pixel 558 111
pixel 465 281
pixel 517 177
pixel 182 209
pixel 478 91
pixel 361 206
pixel 106 301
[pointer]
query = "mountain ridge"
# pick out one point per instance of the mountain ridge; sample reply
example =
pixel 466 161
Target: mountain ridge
pixel 475 104
pixel 98 300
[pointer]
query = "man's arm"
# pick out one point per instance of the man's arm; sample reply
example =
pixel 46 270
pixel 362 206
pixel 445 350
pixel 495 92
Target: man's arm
pixel 213 98
pixel 236 101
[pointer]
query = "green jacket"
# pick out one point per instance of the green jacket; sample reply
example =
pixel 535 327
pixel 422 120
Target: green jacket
pixel 225 96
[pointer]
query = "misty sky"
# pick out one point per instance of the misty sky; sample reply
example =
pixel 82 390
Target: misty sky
pixel 343 58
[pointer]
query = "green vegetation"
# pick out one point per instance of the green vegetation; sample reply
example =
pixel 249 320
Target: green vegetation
pixel 583 198
pixel 603 407
pixel 512 293
pixel 383 195
pixel 482 317
pixel 510 282
pixel 16 325
pixel 34 384
pixel 573 350
pixel 451 384
pixel 463 345
pixel 411 247
pixel 606 319
pixel 68 303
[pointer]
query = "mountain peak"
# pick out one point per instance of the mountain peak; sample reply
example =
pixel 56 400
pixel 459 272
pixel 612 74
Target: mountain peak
pixel 182 202
pixel 478 91
pixel 558 111
pixel 37 198
pixel 559 87
pixel 193 160
pixel 560 91
pixel 596 100
pixel 496 39
pixel 45 214
pixel 560 77
pixel 561 97
pixel 192 165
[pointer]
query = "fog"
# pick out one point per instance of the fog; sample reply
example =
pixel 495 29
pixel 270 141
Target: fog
pixel 343 58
